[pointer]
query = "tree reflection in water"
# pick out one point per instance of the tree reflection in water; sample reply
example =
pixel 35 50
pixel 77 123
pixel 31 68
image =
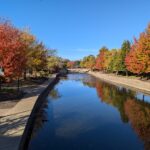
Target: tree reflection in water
pixel 42 115
pixel 138 113
pixel 131 109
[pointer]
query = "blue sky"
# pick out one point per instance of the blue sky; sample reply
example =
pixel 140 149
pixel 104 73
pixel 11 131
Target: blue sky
pixel 79 27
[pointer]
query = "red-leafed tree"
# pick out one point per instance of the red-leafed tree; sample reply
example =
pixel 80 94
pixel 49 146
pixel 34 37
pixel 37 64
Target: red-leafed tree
pixel 73 64
pixel 12 51
pixel 100 61
pixel 138 59
pixel 70 64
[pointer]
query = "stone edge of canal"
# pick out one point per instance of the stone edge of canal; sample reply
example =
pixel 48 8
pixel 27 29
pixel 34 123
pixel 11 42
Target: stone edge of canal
pixel 30 124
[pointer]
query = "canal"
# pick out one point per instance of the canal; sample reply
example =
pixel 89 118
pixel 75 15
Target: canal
pixel 85 113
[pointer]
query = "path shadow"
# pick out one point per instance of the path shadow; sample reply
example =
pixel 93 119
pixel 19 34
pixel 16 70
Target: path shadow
pixel 11 130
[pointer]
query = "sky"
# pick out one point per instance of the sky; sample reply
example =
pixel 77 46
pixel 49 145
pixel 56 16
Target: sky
pixel 77 28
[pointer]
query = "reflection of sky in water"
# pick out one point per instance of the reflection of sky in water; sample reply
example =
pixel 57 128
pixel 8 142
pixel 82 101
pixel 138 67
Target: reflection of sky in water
pixel 80 119
pixel 68 112
pixel 140 97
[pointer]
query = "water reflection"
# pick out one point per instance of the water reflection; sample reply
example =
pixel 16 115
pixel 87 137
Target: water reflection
pixel 43 116
pixel 115 96
pixel 138 113
pixel 133 110
pixel 76 121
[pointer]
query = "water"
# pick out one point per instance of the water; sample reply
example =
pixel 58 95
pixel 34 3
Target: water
pixel 85 113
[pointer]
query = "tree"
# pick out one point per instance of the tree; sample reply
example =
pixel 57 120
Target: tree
pixel 138 59
pixel 71 64
pixel 125 48
pixel 29 40
pixel 110 60
pixel 101 58
pixel 37 58
pixel 88 62
pixel 117 61
pixel 55 63
pixel 12 51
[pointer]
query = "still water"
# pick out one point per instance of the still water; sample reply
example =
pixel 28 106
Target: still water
pixel 85 113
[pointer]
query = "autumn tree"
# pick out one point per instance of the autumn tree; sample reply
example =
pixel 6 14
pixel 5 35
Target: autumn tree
pixel 29 40
pixel 12 51
pixel 100 60
pixel 55 63
pixel 88 62
pixel 138 59
pixel 38 55
pixel 71 64
pixel 110 55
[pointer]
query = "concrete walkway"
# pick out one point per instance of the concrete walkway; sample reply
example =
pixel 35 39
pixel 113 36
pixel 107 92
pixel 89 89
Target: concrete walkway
pixel 13 120
pixel 125 81
pixel 132 83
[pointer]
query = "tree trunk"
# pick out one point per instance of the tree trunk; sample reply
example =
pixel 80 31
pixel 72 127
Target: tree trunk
pixel 126 73
pixel 116 72
pixel 25 74
pixel 18 84
pixel 0 84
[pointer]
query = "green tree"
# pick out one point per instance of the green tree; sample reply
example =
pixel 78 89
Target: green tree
pixel 117 62
pixel 113 60
pixel 29 41
pixel 37 58
pixel 55 63
pixel 125 48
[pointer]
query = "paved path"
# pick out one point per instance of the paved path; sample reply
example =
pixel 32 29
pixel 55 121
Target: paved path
pixel 13 120
pixel 126 81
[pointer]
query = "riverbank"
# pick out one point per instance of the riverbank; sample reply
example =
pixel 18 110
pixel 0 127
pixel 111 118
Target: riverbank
pixel 131 83
pixel 13 120
pixel 9 94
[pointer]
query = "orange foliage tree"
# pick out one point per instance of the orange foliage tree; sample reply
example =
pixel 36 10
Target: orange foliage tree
pixel 138 59
pixel 71 64
pixel 12 51
pixel 88 62
pixel 100 61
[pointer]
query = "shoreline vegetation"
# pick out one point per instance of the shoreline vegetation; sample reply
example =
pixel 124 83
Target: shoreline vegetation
pixel 128 65
pixel 24 60
pixel 125 81
pixel 131 59
pixel 23 56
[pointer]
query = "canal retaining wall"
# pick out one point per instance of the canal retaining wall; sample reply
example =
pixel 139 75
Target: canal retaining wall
pixel 16 123
pixel 29 127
